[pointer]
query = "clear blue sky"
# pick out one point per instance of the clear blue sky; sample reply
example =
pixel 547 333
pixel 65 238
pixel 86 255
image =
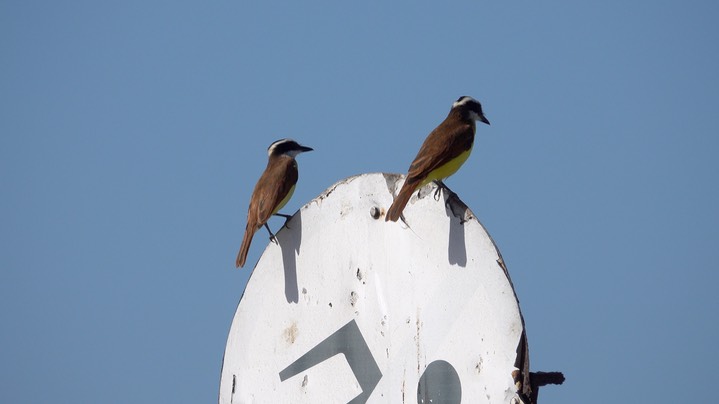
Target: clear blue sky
pixel 132 133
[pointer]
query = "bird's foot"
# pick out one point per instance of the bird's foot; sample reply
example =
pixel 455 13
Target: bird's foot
pixel 287 218
pixel 272 235
pixel 441 187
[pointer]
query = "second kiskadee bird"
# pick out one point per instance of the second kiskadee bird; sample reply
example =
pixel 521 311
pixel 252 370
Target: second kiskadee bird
pixel 446 148
pixel 272 191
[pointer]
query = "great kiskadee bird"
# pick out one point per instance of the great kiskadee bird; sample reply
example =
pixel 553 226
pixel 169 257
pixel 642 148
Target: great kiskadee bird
pixel 272 191
pixel 446 148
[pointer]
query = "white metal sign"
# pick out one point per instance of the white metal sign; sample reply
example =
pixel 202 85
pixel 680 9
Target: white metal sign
pixel 349 308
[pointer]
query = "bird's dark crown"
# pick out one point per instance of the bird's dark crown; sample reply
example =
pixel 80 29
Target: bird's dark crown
pixel 286 146
pixel 469 103
pixel 470 108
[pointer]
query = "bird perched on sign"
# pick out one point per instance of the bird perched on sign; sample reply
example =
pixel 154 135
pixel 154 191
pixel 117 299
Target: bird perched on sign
pixel 446 148
pixel 272 191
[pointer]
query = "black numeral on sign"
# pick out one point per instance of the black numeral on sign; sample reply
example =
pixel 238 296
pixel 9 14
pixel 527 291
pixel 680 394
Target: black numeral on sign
pixel 349 341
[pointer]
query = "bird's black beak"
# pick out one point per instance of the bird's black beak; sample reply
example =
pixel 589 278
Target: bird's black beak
pixel 484 119
pixel 305 149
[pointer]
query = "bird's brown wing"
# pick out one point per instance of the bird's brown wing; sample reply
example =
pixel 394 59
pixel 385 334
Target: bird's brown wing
pixel 438 149
pixel 272 187
pixel 441 146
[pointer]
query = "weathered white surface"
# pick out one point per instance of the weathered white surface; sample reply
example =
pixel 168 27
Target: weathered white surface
pixel 432 293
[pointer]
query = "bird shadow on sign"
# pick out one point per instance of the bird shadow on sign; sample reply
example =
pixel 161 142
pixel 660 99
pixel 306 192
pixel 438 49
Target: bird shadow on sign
pixel 456 211
pixel 290 238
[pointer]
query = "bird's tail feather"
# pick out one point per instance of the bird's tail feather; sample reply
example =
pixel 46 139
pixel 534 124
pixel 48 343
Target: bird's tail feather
pixel 245 247
pixel 395 210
